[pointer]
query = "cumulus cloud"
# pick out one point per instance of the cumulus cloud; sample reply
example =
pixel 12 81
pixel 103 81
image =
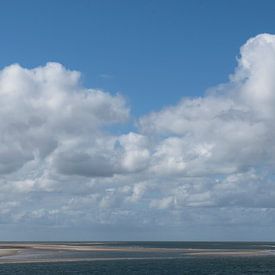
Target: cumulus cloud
pixel 227 131
pixel 201 161
pixel 45 113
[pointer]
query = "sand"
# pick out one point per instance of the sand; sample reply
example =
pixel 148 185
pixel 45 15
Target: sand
pixel 223 252
pixel 27 252
pixel 8 252
pixel 67 247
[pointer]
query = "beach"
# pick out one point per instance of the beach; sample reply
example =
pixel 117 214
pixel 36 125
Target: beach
pixel 7 252
pixel 68 252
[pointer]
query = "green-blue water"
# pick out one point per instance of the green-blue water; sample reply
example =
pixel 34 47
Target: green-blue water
pixel 175 263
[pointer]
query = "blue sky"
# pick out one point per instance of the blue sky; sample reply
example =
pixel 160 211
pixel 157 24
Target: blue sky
pixel 153 52
pixel 107 131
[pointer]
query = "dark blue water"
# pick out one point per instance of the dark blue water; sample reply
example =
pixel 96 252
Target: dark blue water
pixel 102 262
pixel 211 265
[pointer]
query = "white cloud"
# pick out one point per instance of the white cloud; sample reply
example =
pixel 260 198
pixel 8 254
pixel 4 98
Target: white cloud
pixel 136 154
pixel 206 160
pixel 45 113
pixel 228 131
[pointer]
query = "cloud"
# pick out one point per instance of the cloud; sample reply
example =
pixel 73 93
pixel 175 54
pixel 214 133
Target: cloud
pixel 45 113
pixel 204 161
pixel 227 131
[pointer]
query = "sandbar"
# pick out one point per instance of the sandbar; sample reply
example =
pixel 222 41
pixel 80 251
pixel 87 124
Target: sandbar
pixel 51 252
pixel 8 252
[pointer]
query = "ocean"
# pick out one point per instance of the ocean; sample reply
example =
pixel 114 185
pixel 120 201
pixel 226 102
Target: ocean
pixel 147 258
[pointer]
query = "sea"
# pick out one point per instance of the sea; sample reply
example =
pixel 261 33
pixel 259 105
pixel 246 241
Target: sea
pixel 148 262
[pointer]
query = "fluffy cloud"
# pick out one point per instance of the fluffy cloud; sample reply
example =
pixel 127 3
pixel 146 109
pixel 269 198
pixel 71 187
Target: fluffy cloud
pixel 227 131
pixel 206 160
pixel 46 114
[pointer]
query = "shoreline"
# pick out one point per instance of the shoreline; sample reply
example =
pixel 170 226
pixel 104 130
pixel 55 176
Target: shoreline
pixel 68 260
pixel 8 252
pixel 27 253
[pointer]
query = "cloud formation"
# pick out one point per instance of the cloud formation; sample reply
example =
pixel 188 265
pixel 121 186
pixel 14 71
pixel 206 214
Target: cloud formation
pixel 204 161
pixel 47 115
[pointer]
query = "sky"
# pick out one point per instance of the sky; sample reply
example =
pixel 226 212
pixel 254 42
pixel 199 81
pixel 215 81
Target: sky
pixel 137 120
